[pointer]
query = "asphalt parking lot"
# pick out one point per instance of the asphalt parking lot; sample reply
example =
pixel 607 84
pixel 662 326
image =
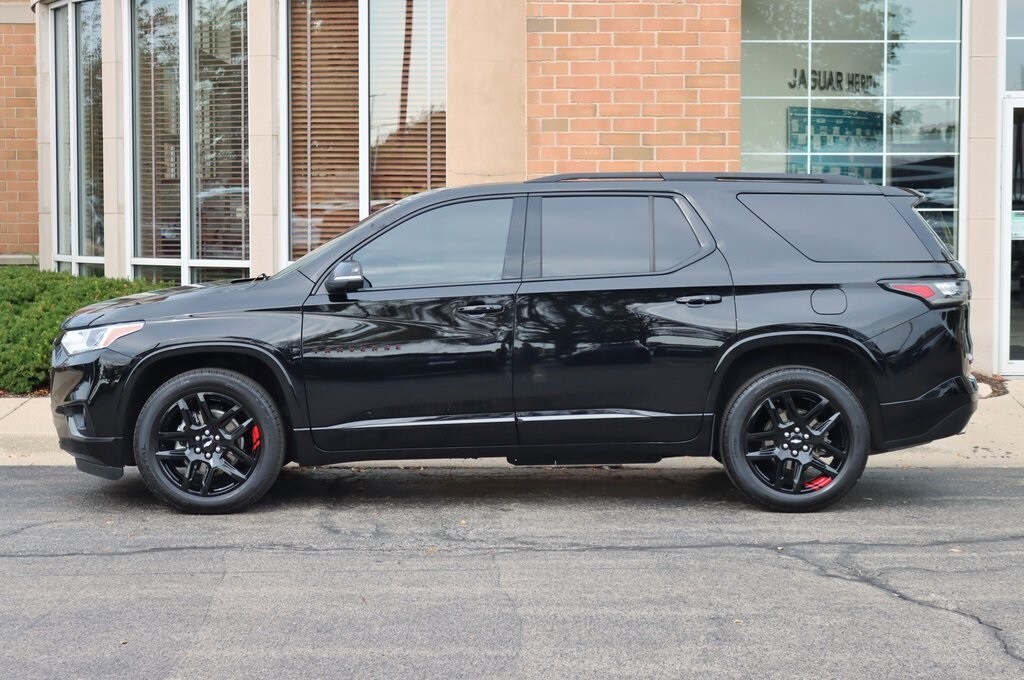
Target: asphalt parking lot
pixel 489 572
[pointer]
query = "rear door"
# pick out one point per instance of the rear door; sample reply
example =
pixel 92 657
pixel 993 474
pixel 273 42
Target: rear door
pixel 624 305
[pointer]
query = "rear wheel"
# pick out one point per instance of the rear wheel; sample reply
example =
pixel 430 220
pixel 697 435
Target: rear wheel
pixel 209 441
pixel 795 439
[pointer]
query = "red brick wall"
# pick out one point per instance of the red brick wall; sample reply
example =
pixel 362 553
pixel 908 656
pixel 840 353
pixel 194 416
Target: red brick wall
pixel 620 85
pixel 19 186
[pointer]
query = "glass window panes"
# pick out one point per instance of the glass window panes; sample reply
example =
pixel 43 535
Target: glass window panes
pixel 868 168
pixel 459 243
pixel 944 224
pixel 1015 64
pixel 159 274
pixel 770 163
pixel 90 129
pixel 872 90
pixel 933 176
pixel 674 240
pixel 220 136
pixel 775 19
pixel 157 130
pixel 923 69
pixel 90 269
pixel 62 103
pixel 924 19
pixel 845 125
pixel 773 69
pixel 208 274
pixel 590 235
pixel 773 125
pixel 923 125
pixel 846 69
pixel 1015 18
pixel 847 19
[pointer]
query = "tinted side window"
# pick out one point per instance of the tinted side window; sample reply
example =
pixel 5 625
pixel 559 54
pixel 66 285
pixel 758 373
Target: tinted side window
pixel 833 228
pixel 595 235
pixel 456 243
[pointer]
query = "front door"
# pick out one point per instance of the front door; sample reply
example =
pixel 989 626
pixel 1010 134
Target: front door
pixel 623 308
pixel 421 356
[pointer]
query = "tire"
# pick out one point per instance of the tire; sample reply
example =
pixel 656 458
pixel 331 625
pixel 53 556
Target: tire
pixel 209 441
pixel 794 439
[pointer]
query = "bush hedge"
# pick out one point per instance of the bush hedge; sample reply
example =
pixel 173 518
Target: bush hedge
pixel 32 306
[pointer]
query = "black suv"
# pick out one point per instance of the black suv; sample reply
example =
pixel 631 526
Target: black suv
pixel 786 325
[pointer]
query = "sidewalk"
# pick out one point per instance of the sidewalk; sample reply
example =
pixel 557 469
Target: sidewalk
pixel 993 439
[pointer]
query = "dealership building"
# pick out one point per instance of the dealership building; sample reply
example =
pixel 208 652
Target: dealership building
pixel 194 140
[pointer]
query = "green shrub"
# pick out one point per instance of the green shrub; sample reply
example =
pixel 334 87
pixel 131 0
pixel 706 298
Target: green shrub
pixel 32 306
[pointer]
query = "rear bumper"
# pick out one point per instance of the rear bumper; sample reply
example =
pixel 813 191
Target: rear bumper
pixel 942 412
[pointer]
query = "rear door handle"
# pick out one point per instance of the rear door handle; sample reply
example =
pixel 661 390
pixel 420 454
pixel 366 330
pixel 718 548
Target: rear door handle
pixel 477 310
pixel 699 300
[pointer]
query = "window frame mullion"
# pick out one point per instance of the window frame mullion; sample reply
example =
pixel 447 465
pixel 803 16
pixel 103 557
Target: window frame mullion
pixel 185 137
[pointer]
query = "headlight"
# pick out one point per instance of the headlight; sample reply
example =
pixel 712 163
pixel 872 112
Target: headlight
pixel 85 339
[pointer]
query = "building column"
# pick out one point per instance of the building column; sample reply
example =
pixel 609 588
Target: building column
pixel 117 239
pixel 264 137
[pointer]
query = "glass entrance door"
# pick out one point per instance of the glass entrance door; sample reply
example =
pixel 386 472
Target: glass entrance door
pixel 1013 293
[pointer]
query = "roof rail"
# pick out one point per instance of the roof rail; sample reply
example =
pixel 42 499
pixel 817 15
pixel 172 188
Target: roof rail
pixel 696 177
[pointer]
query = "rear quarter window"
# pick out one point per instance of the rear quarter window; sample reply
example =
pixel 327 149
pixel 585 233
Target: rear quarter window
pixel 839 228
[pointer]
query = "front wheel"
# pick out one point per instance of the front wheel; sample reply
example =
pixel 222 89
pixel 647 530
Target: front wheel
pixel 795 439
pixel 209 441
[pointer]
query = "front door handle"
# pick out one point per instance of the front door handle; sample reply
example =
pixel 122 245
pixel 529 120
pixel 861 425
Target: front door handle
pixel 699 300
pixel 477 310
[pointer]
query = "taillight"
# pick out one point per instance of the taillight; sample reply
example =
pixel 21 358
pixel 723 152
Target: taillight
pixel 935 292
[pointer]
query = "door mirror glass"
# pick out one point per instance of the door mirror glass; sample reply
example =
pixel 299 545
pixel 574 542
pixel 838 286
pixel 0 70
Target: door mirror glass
pixel 347 276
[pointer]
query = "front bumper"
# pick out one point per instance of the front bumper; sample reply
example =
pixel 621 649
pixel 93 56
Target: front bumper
pixel 83 404
pixel 943 411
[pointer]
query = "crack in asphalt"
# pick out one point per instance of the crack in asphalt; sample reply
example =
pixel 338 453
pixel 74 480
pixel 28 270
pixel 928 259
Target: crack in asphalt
pixel 25 528
pixel 853 574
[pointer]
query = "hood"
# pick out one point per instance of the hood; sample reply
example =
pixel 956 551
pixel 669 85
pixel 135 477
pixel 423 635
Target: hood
pixel 194 299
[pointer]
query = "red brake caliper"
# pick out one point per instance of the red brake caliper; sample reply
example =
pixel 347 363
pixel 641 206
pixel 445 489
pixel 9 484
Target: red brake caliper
pixel 817 483
pixel 255 438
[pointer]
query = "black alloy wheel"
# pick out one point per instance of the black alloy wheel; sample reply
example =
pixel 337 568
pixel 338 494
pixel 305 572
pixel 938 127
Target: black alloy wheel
pixel 209 441
pixel 795 439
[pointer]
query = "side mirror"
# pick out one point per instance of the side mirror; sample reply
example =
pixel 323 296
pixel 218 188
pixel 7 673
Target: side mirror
pixel 347 276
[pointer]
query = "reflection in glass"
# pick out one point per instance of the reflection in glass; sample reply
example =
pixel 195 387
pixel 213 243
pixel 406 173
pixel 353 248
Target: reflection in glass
pixel 843 125
pixel 924 69
pixel 846 69
pixel 1015 65
pixel 220 138
pixel 767 125
pixel 775 19
pixel 868 168
pixel 923 125
pixel 924 19
pixel 407 98
pixel 847 19
pixel 774 163
pixel 457 243
pixel 157 130
pixel 63 132
pixel 208 274
pixel 933 176
pixel 583 236
pixel 944 224
pixel 1015 18
pixel 774 69
pixel 674 240
pixel 90 269
pixel 1017 300
pixel 324 100
pixel 157 274
pixel 90 130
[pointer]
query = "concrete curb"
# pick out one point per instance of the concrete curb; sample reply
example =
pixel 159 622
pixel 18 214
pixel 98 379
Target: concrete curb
pixel 992 439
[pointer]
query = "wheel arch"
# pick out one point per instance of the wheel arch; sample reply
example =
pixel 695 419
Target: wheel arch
pixel 253 362
pixel 847 359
